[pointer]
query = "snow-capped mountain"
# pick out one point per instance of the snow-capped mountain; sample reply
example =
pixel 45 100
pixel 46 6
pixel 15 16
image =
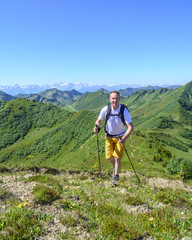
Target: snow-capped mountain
pixel 81 87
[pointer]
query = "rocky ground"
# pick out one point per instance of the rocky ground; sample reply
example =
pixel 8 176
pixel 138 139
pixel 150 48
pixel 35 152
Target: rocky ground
pixel 22 190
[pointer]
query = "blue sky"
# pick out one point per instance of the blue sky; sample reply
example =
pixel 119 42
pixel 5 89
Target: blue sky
pixel 95 42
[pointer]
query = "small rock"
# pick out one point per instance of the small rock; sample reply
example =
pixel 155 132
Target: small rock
pixel 56 220
pixel 28 175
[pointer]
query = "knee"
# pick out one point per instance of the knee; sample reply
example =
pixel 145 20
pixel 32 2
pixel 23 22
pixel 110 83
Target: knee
pixel 111 160
pixel 117 160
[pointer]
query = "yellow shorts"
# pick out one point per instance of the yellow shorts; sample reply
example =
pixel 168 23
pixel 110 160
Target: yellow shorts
pixel 113 148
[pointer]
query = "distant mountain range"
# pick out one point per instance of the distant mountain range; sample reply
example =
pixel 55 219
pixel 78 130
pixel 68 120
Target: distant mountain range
pixel 74 100
pixel 81 87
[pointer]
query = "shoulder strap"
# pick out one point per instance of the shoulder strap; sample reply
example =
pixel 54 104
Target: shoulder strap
pixel 107 115
pixel 121 113
pixel 108 112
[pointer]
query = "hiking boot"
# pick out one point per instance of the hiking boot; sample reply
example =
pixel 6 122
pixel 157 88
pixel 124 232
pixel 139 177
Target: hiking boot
pixel 115 180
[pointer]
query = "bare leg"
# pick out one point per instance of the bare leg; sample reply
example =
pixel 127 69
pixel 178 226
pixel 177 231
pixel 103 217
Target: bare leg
pixel 112 161
pixel 117 165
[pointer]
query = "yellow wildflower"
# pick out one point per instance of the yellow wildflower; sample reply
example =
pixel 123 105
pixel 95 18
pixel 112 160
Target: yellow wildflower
pixel 20 205
pixel 151 219
pixel 26 203
pixel 23 204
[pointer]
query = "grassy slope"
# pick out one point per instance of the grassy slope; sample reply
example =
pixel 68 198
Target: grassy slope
pixel 53 96
pixel 148 109
pixel 70 143
pixel 77 205
pixel 67 143
pixel 91 101
pixel 62 97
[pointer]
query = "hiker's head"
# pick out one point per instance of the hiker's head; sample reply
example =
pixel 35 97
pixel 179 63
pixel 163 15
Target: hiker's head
pixel 114 98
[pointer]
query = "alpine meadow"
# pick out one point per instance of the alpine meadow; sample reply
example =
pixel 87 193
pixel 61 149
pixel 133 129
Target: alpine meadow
pixel 47 140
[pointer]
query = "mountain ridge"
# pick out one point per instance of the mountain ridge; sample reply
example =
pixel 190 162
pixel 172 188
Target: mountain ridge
pixel 6 97
pixel 81 87
pixel 53 96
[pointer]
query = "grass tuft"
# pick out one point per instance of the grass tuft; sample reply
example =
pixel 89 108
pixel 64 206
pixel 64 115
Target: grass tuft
pixel 133 200
pixel 44 194
pixel 119 230
pixel 20 223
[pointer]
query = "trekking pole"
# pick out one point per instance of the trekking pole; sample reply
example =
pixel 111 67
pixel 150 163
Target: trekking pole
pixel 131 163
pixel 98 153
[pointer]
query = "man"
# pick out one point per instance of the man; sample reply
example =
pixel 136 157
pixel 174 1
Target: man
pixel 116 132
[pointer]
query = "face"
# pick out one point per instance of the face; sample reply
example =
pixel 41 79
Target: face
pixel 114 99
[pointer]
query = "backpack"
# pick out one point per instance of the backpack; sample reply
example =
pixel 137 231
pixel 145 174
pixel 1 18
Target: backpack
pixel 120 115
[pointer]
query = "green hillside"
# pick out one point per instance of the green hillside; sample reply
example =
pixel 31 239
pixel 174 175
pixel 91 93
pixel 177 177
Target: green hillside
pixel 166 116
pixel 91 101
pixel 40 134
pixel 63 97
pixel 44 135
pixel 43 131
pixel 163 115
pixel 53 96
pixel 129 91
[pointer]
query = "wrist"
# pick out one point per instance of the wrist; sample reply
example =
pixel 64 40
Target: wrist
pixel 97 128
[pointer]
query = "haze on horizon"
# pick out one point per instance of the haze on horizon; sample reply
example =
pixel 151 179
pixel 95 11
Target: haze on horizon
pixel 95 42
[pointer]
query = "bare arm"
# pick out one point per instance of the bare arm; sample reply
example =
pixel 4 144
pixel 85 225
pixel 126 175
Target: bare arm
pixel 97 125
pixel 128 133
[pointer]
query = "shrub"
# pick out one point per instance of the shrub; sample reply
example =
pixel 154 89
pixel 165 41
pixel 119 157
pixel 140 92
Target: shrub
pixel 186 134
pixel 180 166
pixel 139 133
pixel 186 169
pixel 163 154
pixel 166 123
pixel 157 158
pixel 174 165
